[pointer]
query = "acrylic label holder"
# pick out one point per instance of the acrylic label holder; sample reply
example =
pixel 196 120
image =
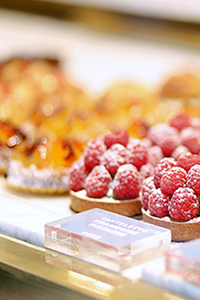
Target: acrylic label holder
pixel 103 240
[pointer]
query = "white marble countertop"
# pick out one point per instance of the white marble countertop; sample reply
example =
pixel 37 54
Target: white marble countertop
pixel 23 216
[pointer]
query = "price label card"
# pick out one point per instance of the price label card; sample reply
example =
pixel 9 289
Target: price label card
pixel 106 239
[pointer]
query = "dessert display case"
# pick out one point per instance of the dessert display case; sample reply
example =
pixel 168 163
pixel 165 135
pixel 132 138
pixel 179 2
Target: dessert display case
pixel 94 59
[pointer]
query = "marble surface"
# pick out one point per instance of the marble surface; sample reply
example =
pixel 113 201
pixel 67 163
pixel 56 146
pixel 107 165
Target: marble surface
pixel 23 216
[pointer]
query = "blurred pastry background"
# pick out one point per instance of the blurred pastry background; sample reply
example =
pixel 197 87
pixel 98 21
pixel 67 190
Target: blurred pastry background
pixel 69 64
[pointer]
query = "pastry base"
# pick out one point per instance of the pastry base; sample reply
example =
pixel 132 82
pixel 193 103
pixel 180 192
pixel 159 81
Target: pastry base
pixel 180 230
pixel 80 202
pixel 45 191
pixel 37 181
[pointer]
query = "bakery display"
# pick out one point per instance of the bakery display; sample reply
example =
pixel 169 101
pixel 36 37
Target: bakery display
pixel 43 166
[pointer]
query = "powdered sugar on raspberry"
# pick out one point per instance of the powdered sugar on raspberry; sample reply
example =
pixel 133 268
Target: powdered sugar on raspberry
pixel 164 165
pixel 112 161
pixel 158 203
pixel 97 183
pixel 126 182
pixel 180 121
pixel 154 155
pixel 147 187
pixel 190 138
pixel 120 136
pixel 137 153
pixel 78 173
pixel 145 172
pixel 95 148
pixel 183 204
pixel 188 160
pixel 173 179
pixel 179 151
pixel 193 179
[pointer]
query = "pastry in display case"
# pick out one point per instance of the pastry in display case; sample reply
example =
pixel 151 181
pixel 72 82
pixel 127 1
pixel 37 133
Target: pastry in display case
pixel 38 96
pixel 182 89
pixel 42 166
pixel 125 104
pixel 109 174
pixel 178 93
pixel 170 197
pixel 67 111
pixel 23 83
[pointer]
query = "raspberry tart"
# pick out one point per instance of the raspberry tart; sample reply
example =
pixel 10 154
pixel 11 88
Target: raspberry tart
pixel 170 197
pixel 109 174
pixel 43 166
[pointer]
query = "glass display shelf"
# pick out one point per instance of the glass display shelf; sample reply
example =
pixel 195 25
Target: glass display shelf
pixel 28 261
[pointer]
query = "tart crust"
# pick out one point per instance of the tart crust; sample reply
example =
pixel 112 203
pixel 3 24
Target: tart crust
pixel 37 181
pixel 80 202
pixel 180 230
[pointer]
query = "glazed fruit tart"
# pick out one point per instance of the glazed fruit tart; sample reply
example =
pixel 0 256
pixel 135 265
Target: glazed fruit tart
pixel 43 166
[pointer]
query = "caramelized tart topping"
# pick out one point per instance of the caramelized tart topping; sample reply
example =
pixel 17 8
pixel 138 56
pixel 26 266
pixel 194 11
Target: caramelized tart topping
pixel 10 135
pixel 46 153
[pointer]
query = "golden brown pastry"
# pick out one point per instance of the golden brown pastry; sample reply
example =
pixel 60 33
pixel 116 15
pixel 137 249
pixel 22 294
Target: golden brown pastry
pixel 43 166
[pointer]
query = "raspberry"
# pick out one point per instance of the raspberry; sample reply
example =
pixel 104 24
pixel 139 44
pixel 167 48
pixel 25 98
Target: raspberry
pixel 147 187
pixel 156 132
pixel 78 173
pixel 121 150
pixel 179 150
pixel 165 164
pixel 154 155
pixel 188 160
pixel 180 121
pixel 169 143
pixel 173 179
pixel 190 138
pixel 165 136
pixel 126 182
pixel 193 179
pixel 137 153
pixel 112 160
pixel 95 148
pixel 184 204
pixel 146 171
pixel 120 136
pixel 97 182
pixel 146 142
pixel 158 203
